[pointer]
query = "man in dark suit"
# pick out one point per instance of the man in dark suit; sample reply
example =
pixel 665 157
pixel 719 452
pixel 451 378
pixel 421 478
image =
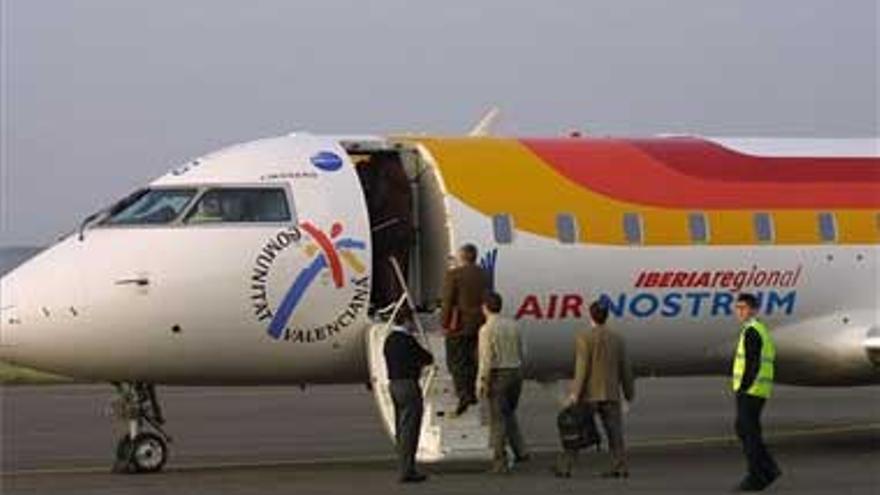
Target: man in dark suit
pixel 405 358
pixel 389 203
pixel 462 317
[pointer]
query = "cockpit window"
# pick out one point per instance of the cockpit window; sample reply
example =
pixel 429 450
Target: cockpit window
pixel 151 207
pixel 241 204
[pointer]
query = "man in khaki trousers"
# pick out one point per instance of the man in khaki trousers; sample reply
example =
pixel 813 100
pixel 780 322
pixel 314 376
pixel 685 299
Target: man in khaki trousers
pixel 499 379
pixel 602 372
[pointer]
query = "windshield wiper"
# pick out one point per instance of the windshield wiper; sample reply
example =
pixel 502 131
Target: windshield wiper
pixel 112 210
pixel 89 219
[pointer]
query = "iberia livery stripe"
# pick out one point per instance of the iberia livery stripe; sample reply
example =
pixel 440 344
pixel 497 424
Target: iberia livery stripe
pixel 678 173
pixel 599 180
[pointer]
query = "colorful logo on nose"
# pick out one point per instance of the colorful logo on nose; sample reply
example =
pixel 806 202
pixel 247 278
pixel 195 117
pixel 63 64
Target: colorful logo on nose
pixel 328 251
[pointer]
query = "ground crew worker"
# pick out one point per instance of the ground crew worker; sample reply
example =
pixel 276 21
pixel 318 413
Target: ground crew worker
pixel 602 370
pixel 405 358
pixel 462 316
pixel 753 368
pixel 499 379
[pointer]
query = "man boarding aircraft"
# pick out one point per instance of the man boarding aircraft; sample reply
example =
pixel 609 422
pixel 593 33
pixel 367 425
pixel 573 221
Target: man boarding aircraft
pixel 257 264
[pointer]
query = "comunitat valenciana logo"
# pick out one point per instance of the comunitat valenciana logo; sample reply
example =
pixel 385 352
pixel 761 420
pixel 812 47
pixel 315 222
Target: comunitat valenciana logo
pixel 326 263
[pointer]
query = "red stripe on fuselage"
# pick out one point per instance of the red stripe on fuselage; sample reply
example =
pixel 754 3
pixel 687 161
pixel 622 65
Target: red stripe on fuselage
pixel 709 160
pixel 696 174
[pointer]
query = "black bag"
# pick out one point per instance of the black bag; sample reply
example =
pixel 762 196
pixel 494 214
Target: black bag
pixel 577 427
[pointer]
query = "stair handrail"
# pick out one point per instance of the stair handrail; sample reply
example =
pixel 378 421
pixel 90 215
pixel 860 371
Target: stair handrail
pixel 407 297
pixel 398 273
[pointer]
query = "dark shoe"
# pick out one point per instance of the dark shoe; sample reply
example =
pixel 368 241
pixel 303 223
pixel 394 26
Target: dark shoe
pixel 413 478
pixel 462 407
pixel 561 473
pixel 753 485
pixel 772 477
pixel 749 485
pixel 520 459
pixel 614 473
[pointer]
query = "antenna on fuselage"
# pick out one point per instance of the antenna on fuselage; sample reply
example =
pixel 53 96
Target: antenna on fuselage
pixel 484 126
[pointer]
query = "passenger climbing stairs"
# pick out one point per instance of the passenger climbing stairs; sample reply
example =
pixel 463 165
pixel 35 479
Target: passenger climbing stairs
pixel 444 436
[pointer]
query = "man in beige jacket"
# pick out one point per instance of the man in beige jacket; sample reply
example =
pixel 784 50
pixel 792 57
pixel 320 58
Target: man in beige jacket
pixel 499 379
pixel 602 372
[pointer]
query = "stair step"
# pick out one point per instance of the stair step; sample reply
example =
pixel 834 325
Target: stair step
pixel 444 436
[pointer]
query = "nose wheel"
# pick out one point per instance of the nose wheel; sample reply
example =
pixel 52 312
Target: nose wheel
pixel 144 449
pixel 146 453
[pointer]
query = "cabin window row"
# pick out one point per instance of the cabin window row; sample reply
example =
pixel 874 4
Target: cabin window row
pixel 633 227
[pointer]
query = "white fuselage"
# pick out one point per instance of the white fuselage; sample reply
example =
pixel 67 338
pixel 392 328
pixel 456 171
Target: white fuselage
pixel 819 300
pixel 183 304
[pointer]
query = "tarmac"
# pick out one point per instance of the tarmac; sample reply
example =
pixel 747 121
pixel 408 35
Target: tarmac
pixel 328 440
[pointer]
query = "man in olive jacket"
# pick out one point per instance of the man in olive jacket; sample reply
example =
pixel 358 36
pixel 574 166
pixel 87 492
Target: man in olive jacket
pixel 602 372
pixel 462 317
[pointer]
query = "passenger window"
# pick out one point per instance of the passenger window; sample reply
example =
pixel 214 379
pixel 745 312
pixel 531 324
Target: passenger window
pixel 632 227
pixel 763 227
pixel 502 226
pixel 151 207
pixel 566 228
pixel 698 225
pixel 827 227
pixel 241 205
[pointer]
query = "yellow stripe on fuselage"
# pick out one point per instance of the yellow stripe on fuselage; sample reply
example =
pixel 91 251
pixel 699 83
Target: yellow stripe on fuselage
pixel 502 176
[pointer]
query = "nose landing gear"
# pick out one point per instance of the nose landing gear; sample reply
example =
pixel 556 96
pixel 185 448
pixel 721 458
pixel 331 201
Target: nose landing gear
pixel 144 449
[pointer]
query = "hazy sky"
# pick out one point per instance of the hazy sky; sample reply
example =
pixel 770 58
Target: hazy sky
pixel 100 96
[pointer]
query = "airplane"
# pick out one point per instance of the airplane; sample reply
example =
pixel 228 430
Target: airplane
pixel 275 262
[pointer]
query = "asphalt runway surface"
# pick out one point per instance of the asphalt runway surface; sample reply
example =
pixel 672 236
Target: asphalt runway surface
pixel 60 439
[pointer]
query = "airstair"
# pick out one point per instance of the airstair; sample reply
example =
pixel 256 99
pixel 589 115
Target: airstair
pixel 444 436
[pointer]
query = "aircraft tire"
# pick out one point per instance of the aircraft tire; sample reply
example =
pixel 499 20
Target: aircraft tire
pixel 147 453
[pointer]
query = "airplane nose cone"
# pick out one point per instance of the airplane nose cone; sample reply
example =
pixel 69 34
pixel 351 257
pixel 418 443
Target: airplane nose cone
pixel 39 302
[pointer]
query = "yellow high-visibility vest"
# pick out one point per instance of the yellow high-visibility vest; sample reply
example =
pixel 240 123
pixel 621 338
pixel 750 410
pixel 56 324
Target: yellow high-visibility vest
pixel 763 384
